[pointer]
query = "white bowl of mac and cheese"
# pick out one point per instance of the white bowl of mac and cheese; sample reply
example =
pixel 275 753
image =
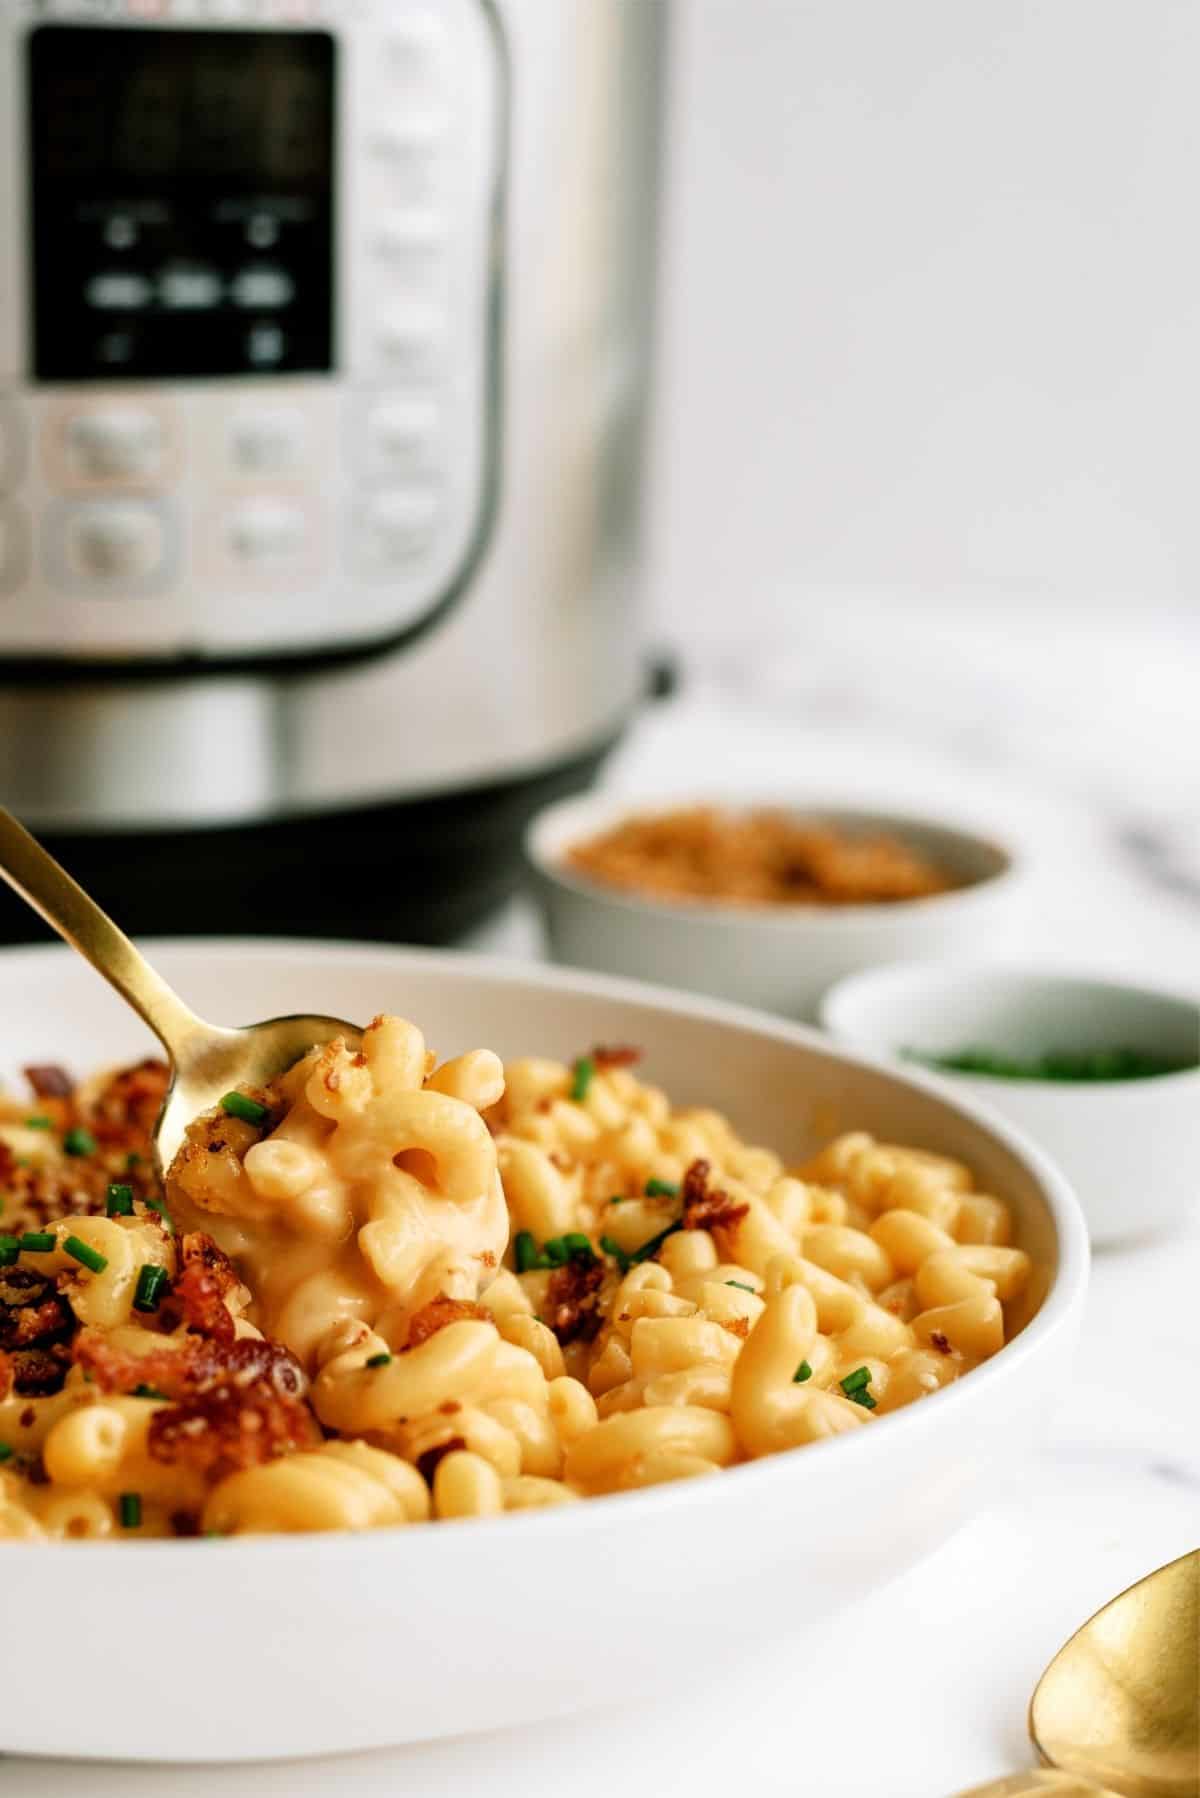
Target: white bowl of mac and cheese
pixel 580 1321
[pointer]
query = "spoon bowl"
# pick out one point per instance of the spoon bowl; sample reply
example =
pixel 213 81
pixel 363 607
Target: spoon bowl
pixel 207 1060
pixel 1120 1703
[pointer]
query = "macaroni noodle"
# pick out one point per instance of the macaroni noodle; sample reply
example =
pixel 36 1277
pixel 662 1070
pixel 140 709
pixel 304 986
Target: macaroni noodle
pixel 383 1291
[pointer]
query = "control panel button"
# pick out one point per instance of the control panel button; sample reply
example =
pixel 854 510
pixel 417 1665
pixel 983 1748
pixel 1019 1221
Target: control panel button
pixel 265 345
pixel 411 151
pixel 118 290
pixel 398 526
pixel 114 540
pixel 14 545
pixel 12 445
pixel 403 434
pixel 184 288
pixel 411 239
pixel 267 442
pixel 262 288
pixel 416 50
pixel 118 444
pixel 412 339
pixel 266 530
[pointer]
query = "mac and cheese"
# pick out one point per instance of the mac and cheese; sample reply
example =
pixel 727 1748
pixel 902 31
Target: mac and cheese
pixel 383 1291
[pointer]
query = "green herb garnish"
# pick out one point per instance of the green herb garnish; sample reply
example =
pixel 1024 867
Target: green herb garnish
pixel 85 1254
pixel 6 1451
pixel 584 1072
pixel 854 1382
pixel 39 1123
pixel 79 1142
pixel 802 1373
pixel 36 1242
pixel 616 1251
pixel 555 1252
pixel 118 1201
pixel 524 1251
pixel 144 1391
pixel 655 1243
pixel 379 1360
pixel 741 1285
pixel 10 1248
pixel 661 1189
pixel 131 1510
pixel 149 1289
pixel 237 1105
pixel 1068 1065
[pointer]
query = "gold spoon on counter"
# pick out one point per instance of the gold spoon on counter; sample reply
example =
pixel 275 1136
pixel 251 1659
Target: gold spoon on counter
pixel 207 1060
pixel 1117 1711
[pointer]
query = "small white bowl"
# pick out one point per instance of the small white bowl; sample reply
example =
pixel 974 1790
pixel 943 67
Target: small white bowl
pixel 777 957
pixel 1131 1148
pixel 298 1645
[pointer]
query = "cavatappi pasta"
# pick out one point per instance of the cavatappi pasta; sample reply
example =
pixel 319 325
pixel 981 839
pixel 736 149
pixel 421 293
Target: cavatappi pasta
pixel 384 1291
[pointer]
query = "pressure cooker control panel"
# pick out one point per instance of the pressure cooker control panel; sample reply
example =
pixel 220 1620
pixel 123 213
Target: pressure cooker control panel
pixel 249 271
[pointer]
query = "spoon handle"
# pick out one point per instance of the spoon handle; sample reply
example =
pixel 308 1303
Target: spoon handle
pixel 49 889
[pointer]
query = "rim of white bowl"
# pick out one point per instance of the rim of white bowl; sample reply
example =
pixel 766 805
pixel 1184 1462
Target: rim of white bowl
pixel 817 1460
pixel 563 819
pixel 841 1012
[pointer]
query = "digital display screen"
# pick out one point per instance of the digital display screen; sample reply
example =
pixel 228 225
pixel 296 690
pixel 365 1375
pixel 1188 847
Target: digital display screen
pixel 179 173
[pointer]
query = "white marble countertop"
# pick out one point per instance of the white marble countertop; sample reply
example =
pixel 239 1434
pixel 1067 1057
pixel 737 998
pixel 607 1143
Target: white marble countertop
pixel 922 1689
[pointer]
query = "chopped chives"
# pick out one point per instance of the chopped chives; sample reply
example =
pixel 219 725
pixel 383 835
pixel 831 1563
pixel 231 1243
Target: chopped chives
pixel 118 1201
pixel 379 1360
pixel 662 1189
pixel 85 1254
pixel 6 1451
pixel 802 1373
pixel 524 1251
pixel 36 1242
pixel 144 1391
pixel 237 1105
pixel 854 1382
pixel 655 1243
pixel 554 1252
pixel 132 1159
pixel 584 1072
pixel 862 1397
pixel 740 1284
pixel 79 1142
pixel 617 1199
pixel 616 1251
pixel 150 1283
pixel 576 1243
pixel 10 1248
pixel 39 1123
pixel 131 1510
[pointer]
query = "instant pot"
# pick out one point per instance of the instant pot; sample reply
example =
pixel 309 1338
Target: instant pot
pixel 324 333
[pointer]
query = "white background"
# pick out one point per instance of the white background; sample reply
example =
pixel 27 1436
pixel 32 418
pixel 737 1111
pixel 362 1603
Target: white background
pixel 930 311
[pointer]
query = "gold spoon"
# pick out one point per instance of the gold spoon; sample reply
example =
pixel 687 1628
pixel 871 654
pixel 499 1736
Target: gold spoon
pixel 1117 1711
pixel 207 1060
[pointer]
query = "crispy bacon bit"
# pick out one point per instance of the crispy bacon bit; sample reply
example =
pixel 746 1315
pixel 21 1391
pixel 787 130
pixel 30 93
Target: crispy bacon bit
pixel 232 1405
pixel 487 1258
pixel 437 1314
pixel 6 1374
pixel 40 1371
pixel 705 1210
pixel 31 1311
pixel 129 1104
pixel 619 1055
pixel 737 1326
pixel 50 1082
pixel 198 1293
pixel 427 1464
pixel 572 1299
pixel 941 1343
pixel 8 1163
pixel 184 1524
pixel 449 1406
